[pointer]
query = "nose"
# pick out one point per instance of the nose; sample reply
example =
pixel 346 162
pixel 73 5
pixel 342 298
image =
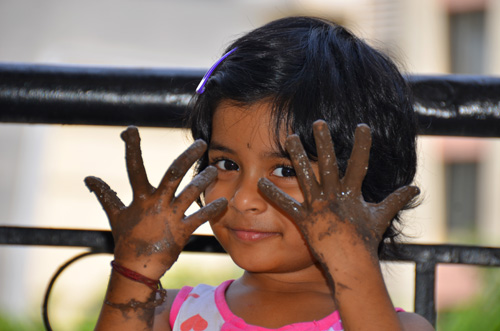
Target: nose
pixel 247 197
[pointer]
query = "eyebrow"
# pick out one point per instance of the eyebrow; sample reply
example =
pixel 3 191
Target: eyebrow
pixel 215 146
pixel 277 154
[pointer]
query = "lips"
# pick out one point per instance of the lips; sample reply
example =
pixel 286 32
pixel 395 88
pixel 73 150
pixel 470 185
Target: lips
pixel 251 235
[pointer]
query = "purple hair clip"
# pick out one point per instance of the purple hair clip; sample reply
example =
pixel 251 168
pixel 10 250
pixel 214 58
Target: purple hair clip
pixel 201 87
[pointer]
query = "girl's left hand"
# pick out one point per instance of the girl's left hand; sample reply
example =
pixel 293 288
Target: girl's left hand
pixel 334 217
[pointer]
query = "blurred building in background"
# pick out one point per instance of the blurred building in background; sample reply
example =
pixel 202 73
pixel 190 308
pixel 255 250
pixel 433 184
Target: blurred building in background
pixel 42 167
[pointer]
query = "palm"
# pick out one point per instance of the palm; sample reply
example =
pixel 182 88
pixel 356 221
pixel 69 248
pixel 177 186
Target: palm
pixel 334 207
pixel 153 226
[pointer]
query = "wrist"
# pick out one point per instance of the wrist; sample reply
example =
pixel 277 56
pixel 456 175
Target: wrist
pixel 151 265
pixel 148 268
pixel 135 276
pixel 348 250
pixel 356 263
pixel 156 297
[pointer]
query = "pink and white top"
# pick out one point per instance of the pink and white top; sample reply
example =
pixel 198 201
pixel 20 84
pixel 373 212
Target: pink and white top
pixel 204 307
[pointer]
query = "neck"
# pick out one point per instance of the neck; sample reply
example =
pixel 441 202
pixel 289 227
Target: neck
pixel 289 298
pixel 308 280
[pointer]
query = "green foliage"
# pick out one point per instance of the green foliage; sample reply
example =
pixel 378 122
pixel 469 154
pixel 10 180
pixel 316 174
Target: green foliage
pixel 190 269
pixel 17 324
pixel 482 313
pixel 194 269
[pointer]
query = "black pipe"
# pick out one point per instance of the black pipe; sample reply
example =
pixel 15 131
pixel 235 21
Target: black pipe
pixel 425 299
pixel 95 96
pixel 457 105
pixel 97 240
pixel 102 241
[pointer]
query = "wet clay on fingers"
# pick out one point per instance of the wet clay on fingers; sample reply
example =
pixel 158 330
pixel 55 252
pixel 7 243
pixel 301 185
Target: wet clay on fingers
pixel 153 229
pixel 334 215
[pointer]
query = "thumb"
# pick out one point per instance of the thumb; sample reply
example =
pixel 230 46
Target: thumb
pixel 397 200
pixel 108 199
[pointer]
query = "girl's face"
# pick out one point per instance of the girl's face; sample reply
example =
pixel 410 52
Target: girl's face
pixel 258 236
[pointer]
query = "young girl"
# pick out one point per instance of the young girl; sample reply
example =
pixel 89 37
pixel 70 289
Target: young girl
pixel 284 178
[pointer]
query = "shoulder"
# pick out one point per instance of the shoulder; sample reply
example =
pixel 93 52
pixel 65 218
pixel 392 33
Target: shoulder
pixel 162 313
pixel 414 322
pixel 176 298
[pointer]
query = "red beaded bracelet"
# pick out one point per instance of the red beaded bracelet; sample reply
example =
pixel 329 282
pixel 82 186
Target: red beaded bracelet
pixel 130 274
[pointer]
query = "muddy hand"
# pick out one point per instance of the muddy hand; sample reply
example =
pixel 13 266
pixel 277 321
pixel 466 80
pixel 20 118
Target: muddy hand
pixel 334 211
pixel 153 228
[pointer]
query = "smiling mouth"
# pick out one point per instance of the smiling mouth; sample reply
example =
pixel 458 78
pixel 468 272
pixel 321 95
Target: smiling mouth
pixel 248 235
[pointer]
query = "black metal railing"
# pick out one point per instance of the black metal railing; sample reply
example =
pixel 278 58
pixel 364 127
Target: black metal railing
pixel 446 105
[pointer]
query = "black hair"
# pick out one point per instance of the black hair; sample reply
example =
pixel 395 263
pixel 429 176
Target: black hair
pixel 310 69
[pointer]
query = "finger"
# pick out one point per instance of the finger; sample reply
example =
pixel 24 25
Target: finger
pixel 285 202
pixel 357 165
pixel 390 206
pixel 327 161
pixel 179 167
pixel 193 190
pixel 106 196
pixel 135 165
pixel 305 174
pixel 209 212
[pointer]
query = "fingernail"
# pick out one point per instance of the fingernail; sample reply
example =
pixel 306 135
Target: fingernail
pixel 200 143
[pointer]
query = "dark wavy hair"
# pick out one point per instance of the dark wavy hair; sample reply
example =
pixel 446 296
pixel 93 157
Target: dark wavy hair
pixel 309 69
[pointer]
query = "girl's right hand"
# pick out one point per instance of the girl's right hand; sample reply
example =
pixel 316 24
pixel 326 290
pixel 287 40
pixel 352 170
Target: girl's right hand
pixel 150 233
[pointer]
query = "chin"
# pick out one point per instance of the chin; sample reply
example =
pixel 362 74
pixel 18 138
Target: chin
pixel 266 263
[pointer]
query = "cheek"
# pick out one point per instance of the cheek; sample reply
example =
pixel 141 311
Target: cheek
pixel 211 193
pixel 216 190
pixel 295 193
pixel 294 189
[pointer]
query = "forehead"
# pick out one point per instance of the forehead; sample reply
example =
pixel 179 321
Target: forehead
pixel 235 123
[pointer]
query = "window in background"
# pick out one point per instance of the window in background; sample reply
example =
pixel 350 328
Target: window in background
pixel 467 42
pixel 461 192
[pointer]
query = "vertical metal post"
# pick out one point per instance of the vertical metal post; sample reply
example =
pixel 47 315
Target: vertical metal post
pixel 425 304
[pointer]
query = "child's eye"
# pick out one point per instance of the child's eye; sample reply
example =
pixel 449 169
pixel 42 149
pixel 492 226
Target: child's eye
pixel 226 165
pixel 284 171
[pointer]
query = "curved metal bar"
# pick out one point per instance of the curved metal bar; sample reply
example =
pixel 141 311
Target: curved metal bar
pixel 45 311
